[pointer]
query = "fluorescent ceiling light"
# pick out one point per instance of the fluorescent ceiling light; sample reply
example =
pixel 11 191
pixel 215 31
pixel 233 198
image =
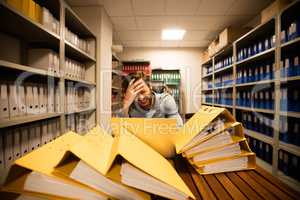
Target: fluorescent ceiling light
pixel 172 34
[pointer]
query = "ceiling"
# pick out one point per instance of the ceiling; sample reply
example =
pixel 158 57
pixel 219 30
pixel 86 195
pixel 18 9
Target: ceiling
pixel 138 23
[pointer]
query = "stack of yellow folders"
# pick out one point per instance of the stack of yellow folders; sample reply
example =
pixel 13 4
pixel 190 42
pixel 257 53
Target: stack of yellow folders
pixel 212 141
pixel 95 166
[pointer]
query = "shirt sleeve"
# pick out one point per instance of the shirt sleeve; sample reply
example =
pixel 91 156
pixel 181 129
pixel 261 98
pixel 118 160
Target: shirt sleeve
pixel 170 109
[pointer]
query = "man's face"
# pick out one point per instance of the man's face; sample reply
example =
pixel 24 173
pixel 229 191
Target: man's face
pixel 144 96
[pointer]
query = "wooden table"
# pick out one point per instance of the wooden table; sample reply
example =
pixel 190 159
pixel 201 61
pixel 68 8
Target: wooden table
pixel 252 184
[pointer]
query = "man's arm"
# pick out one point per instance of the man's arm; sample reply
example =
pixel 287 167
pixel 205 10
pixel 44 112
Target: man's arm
pixel 170 109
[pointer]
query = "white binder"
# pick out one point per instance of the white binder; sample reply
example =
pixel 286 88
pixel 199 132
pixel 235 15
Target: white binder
pixel 13 100
pixel 46 98
pixel 17 143
pixel 56 64
pixel 38 136
pixel 24 141
pixel 31 137
pixel 29 99
pixel 21 100
pixel 2 166
pixel 44 133
pixel 51 98
pixel 50 131
pixel 57 100
pixel 4 109
pixel 35 93
pixel 8 148
pixel 42 105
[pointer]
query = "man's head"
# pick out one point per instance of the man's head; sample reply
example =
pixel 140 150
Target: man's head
pixel 144 97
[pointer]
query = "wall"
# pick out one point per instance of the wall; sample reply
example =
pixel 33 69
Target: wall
pixel 99 22
pixel 188 60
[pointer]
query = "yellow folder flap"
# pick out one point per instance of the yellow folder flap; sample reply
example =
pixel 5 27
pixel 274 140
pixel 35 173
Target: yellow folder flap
pixel 46 157
pixel 17 4
pixel 159 133
pixel 95 149
pixel 148 160
pixel 197 123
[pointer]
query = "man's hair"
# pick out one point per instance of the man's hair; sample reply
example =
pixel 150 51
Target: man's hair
pixel 135 76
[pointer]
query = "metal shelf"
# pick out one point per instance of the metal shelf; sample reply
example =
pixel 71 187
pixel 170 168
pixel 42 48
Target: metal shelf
pixel 74 52
pixel 255 109
pixel 14 66
pixel 291 42
pixel 290 148
pixel 223 105
pixel 259 136
pixel 255 83
pixel 257 56
pixel 223 87
pixel 263 164
pixel 292 78
pixel 209 104
pixel 80 81
pixel 290 114
pixel 26 119
pixel 207 75
pixel 224 69
pixel 81 111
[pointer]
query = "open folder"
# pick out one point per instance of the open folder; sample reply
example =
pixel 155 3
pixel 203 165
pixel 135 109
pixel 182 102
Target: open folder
pixel 127 146
pixel 33 173
pixel 210 126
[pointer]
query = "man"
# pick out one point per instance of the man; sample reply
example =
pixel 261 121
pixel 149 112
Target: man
pixel 141 101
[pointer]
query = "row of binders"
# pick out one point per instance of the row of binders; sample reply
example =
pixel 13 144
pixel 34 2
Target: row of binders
pixel 168 78
pixel 289 130
pixel 224 80
pixel 290 97
pixel 258 47
pixel 258 72
pixel 46 59
pixel 209 69
pixel 82 44
pixel 208 98
pixel 18 141
pixel 292 32
pixel 74 69
pixel 80 123
pixel 262 99
pixel 289 164
pixel 176 93
pixel 37 13
pixel 17 99
pixel 103 166
pixel 289 66
pixel 78 98
pixel 223 97
pixel 207 84
pixel 261 149
pixel 224 62
pixel 128 69
pixel 257 122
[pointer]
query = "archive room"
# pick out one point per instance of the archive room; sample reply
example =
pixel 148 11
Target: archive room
pixel 149 99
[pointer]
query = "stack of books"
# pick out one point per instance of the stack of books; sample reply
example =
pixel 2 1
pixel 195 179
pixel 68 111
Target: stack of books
pixel 212 141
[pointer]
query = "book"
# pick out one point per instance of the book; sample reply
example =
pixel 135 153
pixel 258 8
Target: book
pixel 136 178
pixel 40 183
pixel 233 134
pixel 110 184
pixel 230 150
pixel 242 162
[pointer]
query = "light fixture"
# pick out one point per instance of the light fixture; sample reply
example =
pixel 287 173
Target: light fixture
pixel 172 34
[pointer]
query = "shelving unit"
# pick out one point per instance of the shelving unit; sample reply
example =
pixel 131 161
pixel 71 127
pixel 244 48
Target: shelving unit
pixel 272 83
pixel 23 33
pixel 117 80
pixel 161 78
